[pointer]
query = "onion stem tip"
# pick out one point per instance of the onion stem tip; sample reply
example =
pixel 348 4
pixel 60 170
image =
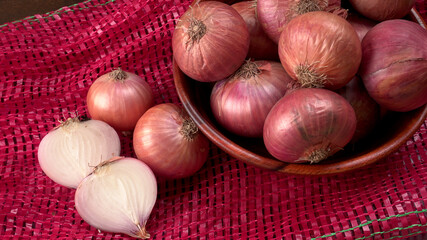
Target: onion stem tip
pixel 143 234
pixel 118 75
pixel 196 30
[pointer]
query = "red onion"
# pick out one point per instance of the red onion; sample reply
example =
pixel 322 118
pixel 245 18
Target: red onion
pixel 381 10
pixel 320 49
pixel 394 64
pixel 119 98
pixel 361 24
pixel 168 141
pixel 275 14
pixel 367 111
pixel 261 46
pixel 309 125
pixel 241 103
pixel 210 41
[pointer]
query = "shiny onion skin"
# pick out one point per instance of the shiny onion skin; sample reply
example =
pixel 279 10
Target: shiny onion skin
pixel 119 98
pixel 368 112
pixel 275 14
pixel 394 64
pixel 169 142
pixel 210 41
pixel 381 10
pixel 261 46
pixel 309 125
pixel 361 24
pixel 241 103
pixel 320 49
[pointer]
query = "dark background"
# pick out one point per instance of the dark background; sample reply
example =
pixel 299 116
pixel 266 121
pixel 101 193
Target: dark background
pixel 11 10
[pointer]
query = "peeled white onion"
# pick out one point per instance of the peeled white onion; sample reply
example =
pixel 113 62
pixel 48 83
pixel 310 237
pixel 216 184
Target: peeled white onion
pixel 70 152
pixel 118 197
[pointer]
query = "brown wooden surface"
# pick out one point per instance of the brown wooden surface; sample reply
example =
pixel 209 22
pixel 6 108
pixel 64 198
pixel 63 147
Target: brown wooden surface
pixel 11 10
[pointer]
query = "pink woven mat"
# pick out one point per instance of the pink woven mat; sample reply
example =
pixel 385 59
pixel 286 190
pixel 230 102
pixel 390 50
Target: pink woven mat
pixel 48 62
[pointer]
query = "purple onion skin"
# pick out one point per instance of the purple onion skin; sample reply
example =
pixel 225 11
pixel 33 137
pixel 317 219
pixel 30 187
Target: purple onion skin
pixel 368 112
pixel 221 49
pixel 306 121
pixel 325 45
pixel 382 10
pixel 275 14
pixel 394 64
pixel 241 105
pixel 261 46
pixel 361 24
pixel 271 14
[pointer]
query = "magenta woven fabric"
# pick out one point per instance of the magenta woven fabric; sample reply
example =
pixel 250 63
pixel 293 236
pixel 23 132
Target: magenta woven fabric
pixel 48 62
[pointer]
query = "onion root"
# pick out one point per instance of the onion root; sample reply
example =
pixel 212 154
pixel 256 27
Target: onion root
pixel 118 75
pixel 189 129
pixel 67 123
pixel 308 78
pixel 305 6
pixel 196 30
pixel 248 70
pixel 318 155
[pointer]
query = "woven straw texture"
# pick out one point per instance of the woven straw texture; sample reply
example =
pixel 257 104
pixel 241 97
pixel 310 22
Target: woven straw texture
pixel 48 62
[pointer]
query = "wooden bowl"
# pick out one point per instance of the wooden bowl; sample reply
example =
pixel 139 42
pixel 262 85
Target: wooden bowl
pixel 393 131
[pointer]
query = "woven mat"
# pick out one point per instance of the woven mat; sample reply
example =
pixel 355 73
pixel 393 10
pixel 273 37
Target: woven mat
pixel 48 62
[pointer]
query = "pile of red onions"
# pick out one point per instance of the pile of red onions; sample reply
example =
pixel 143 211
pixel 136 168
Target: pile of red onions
pixel 321 52
pixel 325 91
pixel 327 88
pixel 291 103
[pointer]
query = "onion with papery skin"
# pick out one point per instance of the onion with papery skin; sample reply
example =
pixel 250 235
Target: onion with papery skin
pixel 381 10
pixel 68 153
pixel 309 125
pixel 241 103
pixel 361 24
pixel 119 98
pixel 368 112
pixel 394 64
pixel 168 141
pixel 118 196
pixel 210 41
pixel 320 49
pixel 261 46
pixel 275 14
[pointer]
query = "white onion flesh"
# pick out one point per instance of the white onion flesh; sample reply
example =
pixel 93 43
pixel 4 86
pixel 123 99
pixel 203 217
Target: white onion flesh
pixel 70 152
pixel 118 197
